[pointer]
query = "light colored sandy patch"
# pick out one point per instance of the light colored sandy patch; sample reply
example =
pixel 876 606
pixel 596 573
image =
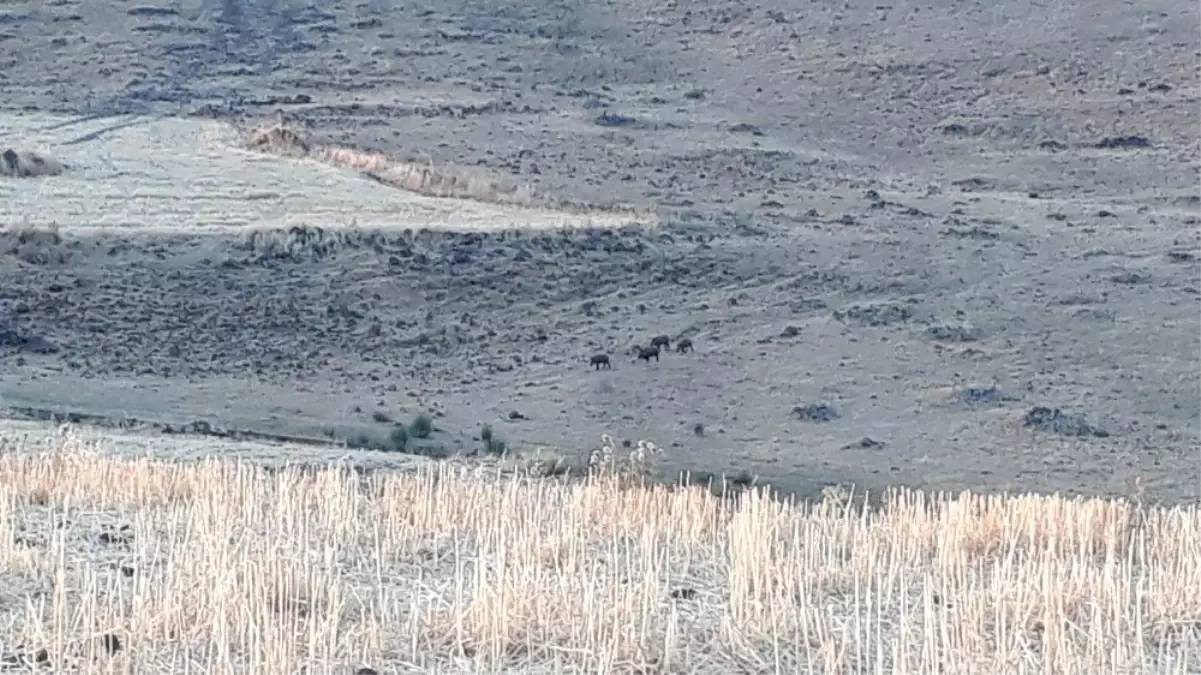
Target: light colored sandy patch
pixel 168 175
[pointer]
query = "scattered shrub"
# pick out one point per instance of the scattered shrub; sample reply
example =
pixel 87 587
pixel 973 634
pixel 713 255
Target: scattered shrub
pixel 433 451
pixel 360 442
pixel 742 479
pixel 421 427
pixel 399 438
pixel 492 444
pixel 634 467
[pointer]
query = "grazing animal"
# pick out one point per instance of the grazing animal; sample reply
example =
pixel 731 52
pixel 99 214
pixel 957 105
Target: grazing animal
pixel 684 345
pixel 646 353
pixel 600 360
pixel 661 341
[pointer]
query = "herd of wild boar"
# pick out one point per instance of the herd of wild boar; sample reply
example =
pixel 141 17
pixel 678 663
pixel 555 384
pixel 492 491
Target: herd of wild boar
pixel 659 342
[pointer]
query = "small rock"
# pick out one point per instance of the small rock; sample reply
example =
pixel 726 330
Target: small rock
pixel 815 412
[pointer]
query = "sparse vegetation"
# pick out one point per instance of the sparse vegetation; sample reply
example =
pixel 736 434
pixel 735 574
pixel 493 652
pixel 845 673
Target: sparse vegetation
pixel 395 441
pixel 381 417
pixel 318 570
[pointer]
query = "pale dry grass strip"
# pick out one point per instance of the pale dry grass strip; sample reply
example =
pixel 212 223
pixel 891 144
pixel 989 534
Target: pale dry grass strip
pixel 425 179
pixel 444 180
pixel 232 568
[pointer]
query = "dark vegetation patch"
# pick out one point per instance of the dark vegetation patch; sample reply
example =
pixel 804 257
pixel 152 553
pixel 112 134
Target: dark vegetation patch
pixel 875 314
pixel 982 396
pixel 1054 420
pixel 815 412
pixel 1124 143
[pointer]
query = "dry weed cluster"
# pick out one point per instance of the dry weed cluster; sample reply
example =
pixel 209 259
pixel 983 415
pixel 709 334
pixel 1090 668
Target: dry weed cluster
pixel 227 567
pixel 426 179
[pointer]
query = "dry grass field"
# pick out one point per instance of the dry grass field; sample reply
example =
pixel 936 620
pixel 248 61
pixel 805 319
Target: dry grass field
pixel 137 565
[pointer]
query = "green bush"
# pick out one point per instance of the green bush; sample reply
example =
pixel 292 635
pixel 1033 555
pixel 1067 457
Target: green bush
pixel 421 427
pixel 399 438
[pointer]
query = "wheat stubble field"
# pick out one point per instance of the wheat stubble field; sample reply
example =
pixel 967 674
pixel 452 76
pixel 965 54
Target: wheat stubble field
pixel 118 564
